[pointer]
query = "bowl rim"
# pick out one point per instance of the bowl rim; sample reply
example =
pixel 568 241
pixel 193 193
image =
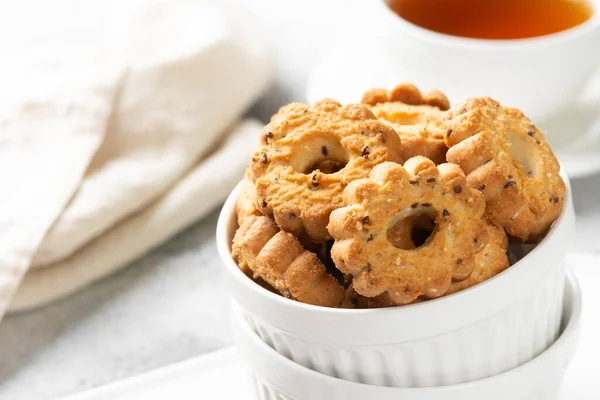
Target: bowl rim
pixel 579 31
pixel 222 233
pixel 562 348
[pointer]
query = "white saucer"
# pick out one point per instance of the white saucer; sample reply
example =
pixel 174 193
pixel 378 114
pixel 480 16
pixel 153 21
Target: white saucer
pixel 574 134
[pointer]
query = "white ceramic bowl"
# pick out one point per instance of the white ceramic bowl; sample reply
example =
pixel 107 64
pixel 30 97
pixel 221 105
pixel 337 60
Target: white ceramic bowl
pixel 277 378
pixel 479 332
pixel 539 75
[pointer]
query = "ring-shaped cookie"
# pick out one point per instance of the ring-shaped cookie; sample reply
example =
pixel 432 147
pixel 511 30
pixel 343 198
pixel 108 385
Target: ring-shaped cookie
pixel 376 233
pixel 309 155
pixel 279 259
pixel 508 159
pixel 418 119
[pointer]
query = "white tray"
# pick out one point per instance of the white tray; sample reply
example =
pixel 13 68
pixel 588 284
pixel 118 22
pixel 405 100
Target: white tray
pixel 221 375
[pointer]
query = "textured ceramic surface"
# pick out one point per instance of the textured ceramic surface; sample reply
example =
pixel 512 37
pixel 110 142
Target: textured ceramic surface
pixel 497 344
pixel 276 377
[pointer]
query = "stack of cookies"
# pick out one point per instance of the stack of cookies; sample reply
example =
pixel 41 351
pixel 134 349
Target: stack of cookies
pixel 396 200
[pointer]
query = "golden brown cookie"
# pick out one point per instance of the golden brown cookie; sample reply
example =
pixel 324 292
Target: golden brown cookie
pixel 417 119
pixel 508 159
pixel 308 156
pixel 245 206
pixel 279 259
pixel 490 259
pixel 406 93
pixel 407 231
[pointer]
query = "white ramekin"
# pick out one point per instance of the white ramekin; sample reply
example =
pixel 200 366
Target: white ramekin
pixel 277 378
pixel 479 332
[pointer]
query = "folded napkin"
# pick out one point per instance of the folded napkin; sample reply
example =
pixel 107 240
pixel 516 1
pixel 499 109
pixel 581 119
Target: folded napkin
pixel 103 160
pixel 196 193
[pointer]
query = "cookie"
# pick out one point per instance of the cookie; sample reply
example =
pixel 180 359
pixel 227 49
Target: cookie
pixel 309 154
pixel 278 258
pixel 509 160
pixel 417 119
pixel 408 231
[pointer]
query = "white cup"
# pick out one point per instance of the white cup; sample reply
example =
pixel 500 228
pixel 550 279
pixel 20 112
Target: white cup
pixel 476 333
pixel 539 75
pixel 277 378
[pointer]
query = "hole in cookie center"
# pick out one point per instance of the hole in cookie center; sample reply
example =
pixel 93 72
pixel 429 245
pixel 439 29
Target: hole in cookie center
pixel 519 149
pixel 322 153
pixel 412 228
pixel 327 166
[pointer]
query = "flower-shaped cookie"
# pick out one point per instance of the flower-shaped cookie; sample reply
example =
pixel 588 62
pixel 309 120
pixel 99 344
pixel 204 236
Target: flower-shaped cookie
pixel 309 155
pixel 263 251
pixel 508 159
pixel 407 93
pixel 417 118
pixel 408 231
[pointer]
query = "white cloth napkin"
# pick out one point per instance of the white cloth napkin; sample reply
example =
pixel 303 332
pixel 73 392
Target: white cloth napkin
pixel 100 161
pixel 200 190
